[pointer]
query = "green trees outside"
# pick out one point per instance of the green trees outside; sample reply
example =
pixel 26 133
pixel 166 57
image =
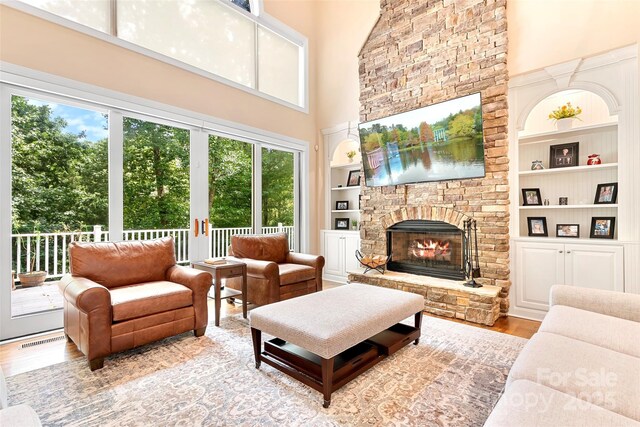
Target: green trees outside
pixel 277 187
pixel 156 176
pixel 230 182
pixel 60 179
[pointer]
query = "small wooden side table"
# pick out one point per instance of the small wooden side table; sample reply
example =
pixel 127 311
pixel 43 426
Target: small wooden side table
pixel 226 271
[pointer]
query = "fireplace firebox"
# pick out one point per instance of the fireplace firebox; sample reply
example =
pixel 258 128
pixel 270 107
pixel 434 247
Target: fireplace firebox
pixel 429 248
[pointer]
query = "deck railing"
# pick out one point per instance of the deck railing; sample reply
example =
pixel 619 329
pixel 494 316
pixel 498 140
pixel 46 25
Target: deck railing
pixel 49 251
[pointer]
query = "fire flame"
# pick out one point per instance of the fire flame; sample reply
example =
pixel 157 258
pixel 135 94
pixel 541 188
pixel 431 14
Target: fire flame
pixel 431 249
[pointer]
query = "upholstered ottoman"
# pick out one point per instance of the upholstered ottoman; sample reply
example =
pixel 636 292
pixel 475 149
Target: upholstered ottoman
pixel 328 338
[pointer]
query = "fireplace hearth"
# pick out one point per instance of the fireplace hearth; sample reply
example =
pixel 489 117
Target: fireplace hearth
pixel 428 248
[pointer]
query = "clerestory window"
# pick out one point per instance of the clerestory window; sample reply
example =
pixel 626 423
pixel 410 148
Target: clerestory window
pixel 224 38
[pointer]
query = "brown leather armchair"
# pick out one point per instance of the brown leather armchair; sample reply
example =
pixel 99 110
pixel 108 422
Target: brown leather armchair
pixel 126 294
pixel 273 273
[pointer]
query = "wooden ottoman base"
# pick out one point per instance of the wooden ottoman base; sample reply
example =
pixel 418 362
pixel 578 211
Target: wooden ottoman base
pixel 328 375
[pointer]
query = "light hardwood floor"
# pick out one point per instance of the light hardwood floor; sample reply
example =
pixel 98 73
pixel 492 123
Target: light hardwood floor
pixel 15 360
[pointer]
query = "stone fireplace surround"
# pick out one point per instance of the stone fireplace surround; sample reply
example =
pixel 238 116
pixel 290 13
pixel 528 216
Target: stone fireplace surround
pixel 443 297
pixel 418 54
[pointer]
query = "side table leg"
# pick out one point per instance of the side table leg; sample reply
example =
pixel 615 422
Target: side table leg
pixel 327 381
pixel 418 319
pixel 218 296
pixel 244 292
pixel 256 337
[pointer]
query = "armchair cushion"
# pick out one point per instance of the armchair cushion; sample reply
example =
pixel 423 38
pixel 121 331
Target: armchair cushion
pixel 140 300
pixel 294 273
pixel 269 247
pixel 122 263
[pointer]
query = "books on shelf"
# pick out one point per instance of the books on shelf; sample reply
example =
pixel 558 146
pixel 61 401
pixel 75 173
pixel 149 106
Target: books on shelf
pixel 215 261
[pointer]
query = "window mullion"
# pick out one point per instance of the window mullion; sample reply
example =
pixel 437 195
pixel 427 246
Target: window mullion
pixel 113 18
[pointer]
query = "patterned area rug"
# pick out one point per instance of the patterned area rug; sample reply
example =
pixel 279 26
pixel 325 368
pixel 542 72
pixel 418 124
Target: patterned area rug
pixel 453 377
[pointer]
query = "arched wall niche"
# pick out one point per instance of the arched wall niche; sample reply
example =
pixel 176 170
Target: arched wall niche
pixel 595 110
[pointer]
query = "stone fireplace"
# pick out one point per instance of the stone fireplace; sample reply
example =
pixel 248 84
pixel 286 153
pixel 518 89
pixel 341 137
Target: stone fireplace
pixel 425 247
pixel 419 54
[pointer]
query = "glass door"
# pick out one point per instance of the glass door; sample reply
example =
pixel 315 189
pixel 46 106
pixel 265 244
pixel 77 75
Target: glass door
pixel 231 195
pixel 55 175
pixel 156 183
pixel 280 193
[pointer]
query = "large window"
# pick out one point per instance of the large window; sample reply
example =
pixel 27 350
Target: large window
pixel 221 37
pixel 94 170
pixel 59 194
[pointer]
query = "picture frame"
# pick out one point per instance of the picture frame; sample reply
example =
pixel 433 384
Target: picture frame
pixel 342 223
pixel 568 230
pixel 564 155
pixel 531 197
pixel 354 178
pixel 342 205
pixel 603 227
pixel 562 201
pixel 606 194
pixel 537 226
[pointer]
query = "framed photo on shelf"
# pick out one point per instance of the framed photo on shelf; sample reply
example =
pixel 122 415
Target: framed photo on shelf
pixel 564 155
pixel 568 230
pixel 563 201
pixel 342 224
pixel 531 197
pixel 606 193
pixel 354 178
pixel 342 205
pixel 537 226
pixel 603 227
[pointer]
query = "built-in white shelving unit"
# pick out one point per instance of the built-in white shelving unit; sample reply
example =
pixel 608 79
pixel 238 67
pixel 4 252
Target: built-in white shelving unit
pixel 604 86
pixel 339 246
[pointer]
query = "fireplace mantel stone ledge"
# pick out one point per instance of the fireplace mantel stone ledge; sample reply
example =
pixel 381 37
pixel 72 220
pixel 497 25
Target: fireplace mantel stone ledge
pixel 449 298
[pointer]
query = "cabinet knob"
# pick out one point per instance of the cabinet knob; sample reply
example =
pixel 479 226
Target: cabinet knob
pixel 568 252
pixel 560 252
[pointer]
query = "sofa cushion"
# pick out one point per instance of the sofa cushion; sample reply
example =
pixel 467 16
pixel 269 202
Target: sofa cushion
pixel 268 247
pixel 114 264
pixel 294 273
pixel 19 416
pixel 528 404
pixel 604 331
pixel 130 302
pixel 595 374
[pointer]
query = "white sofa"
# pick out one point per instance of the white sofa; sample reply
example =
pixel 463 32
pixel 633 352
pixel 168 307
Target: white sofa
pixel 18 415
pixel 582 368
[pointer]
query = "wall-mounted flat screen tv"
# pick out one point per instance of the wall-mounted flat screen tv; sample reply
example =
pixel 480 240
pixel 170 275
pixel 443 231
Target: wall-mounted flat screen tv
pixel 434 143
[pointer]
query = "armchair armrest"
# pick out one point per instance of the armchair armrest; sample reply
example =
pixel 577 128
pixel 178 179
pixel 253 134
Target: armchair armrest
pixel 87 317
pixel 199 282
pixel 84 294
pixel 609 303
pixel 263 269
pixel 315 261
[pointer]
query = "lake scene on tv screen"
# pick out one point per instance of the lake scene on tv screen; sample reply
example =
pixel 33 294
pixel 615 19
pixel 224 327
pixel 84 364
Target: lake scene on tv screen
pixel 435 143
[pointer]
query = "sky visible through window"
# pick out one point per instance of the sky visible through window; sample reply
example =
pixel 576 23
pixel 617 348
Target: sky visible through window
pixel 92 123
pixel 245 4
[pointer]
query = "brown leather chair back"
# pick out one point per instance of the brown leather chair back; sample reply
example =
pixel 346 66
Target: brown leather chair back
pixel 114 264
pixel 264 247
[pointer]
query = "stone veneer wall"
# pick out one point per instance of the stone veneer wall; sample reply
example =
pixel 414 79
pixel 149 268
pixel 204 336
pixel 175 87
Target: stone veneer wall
pixel 420 53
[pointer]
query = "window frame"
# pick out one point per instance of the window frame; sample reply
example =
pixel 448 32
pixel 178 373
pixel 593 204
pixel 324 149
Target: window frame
pixel 259 17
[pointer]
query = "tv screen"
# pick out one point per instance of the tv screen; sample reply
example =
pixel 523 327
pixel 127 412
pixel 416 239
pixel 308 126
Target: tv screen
pixel 435 143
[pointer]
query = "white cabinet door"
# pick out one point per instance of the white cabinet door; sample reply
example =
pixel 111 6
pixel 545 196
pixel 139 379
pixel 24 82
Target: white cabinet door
pixel 333 258
pixel 538 267
pixel 595 266
pixel 351 244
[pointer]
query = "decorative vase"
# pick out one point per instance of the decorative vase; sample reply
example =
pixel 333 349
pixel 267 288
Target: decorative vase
pixel 594 159
pixel 350 159
pixel 33 278
pixel 564 124
pixel 536 165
